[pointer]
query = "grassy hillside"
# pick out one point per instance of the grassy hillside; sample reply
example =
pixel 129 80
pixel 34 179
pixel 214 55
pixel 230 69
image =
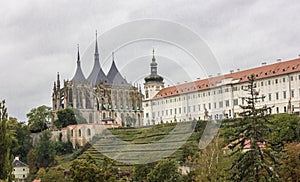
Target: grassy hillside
pixel 131 144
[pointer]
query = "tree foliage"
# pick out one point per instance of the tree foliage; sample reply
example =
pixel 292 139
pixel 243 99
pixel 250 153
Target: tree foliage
pixel 31 161
pixel 44 150
pixel 285 128
pixel 39 118
pixel 141 171
pixel 23 141
pixel 52 175
pixel 87 170
pixel 257 163
pixel 166 171
pixel 67 117
pixel 291 163
pixel 6 138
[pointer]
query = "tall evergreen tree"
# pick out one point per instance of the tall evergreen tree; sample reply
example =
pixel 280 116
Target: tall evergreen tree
pixel 6 137
pixel 259 161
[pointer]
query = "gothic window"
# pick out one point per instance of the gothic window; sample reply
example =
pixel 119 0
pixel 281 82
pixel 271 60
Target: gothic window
pixel 89 132
pixel 79 132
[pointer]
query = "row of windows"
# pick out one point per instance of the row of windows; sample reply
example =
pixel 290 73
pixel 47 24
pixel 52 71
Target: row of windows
pixel 278 80
pixel 169 112
pixel 235 102
pixel 80 133
pixel 216 105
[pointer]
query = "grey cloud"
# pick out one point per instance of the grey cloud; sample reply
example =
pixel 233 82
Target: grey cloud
pixel 38 38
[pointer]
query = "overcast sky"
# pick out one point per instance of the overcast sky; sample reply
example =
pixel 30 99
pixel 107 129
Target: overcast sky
pixel 39 38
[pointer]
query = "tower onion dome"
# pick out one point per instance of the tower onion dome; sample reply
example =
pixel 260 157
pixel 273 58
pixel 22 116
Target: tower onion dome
pixel 153 77
pixel 78 77
pixel 114 76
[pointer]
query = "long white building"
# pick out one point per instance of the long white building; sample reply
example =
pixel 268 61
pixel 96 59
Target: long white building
pixel 220 96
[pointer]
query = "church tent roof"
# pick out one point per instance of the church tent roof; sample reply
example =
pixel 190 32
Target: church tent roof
pixel 114 76
pixel 78 76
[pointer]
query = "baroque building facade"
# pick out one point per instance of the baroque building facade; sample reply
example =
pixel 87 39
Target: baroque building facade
pixel 220 96
pixel 100 98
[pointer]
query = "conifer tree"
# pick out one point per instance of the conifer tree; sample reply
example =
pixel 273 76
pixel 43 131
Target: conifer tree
pixel 259 161
pixel 6 137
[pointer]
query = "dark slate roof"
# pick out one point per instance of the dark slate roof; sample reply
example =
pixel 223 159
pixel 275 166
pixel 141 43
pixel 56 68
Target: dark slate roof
pixel 154 78
pixel 78 77
pixel 18 163
pixel 95 71
pixel 115 77
pixel 101 77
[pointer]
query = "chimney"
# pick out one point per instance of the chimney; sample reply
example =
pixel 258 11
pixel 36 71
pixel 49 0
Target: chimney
pixel 209 76
pixel 278 60
pixel 238 69
pixel 219 74
pixel 263 63
pixel 17 158
pixel 231 71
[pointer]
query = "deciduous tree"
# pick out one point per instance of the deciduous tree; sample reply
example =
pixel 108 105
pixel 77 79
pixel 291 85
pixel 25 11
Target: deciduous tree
pixel 39 118
pixel 166 170
pixel 44 150
pixel 67 117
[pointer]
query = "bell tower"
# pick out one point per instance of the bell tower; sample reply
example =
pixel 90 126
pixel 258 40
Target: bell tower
pixel 153 82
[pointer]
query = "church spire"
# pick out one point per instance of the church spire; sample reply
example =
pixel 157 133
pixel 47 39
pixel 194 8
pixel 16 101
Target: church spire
pixel 96 46
pixel 153 65
pixel 93 77
pixel 78 77
pixel 153 57
pixel 78 55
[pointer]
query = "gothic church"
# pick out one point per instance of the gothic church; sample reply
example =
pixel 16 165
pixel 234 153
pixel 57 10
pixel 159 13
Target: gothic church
pixel 100 98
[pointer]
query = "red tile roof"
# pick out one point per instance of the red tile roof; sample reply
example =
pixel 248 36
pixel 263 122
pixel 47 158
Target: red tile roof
pixel 247 144
pixel 265 71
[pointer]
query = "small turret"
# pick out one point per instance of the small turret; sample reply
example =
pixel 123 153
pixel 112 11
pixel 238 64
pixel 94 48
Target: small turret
pixel 58 81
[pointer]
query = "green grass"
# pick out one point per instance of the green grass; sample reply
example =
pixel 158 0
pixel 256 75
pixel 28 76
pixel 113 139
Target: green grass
pixel 143 135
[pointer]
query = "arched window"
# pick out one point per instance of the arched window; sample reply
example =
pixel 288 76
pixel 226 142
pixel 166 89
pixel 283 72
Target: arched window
pixel 103 116
pixel 79 132
pixel 89 132
pixel 72 132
